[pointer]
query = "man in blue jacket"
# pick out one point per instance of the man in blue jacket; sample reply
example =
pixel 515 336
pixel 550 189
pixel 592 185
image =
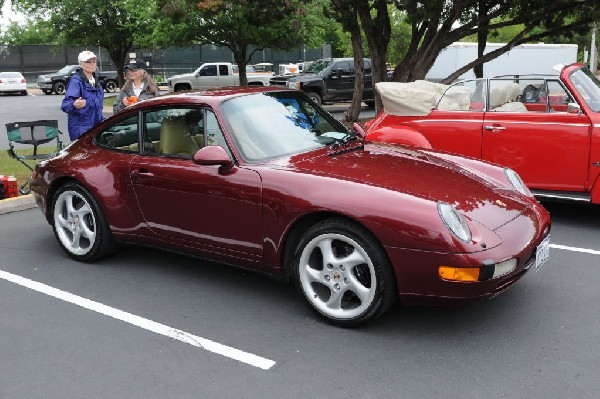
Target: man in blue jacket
pixel 84 97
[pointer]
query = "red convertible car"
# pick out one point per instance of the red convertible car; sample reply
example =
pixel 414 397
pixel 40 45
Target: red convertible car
pixel 263 178
pixel 546 128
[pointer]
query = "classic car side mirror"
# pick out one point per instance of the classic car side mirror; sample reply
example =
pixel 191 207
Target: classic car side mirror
pixel 213 155
pixel 573 108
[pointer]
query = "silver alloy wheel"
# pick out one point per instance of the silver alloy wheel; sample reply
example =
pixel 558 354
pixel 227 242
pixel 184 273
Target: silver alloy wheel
pixel 75 222
pixel 337 276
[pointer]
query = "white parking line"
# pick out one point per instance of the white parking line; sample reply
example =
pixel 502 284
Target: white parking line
pixel 141 322
pixel 575 249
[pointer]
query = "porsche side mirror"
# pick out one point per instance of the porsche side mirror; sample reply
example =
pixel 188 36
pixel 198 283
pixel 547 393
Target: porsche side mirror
pixel 213 155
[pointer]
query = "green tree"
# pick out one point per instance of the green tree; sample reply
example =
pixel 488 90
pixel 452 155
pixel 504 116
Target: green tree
pixel 112 24
pixel 243 26
pixel 27 33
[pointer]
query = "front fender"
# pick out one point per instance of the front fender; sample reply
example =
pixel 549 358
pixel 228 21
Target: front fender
pixel 399 134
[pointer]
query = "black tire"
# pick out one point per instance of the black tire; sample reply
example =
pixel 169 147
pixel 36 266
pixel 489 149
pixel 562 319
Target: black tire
pixel 47 91
pixel 110 86
pixel 344 295
pixel 315 97
pixel 59 88
pixel 24 93
pixel 80 225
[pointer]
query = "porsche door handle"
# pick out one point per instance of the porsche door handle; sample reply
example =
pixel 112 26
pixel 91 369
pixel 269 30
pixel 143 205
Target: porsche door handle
pixel 138 173
pixel 495 128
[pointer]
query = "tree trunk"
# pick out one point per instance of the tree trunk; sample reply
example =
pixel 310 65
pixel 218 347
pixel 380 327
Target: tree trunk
pixel 352 113
pixel 482 35
pixel 378 32
pixel 239 55
pixel 118 57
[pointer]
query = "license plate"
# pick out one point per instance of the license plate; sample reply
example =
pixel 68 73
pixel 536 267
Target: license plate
pixel 542 253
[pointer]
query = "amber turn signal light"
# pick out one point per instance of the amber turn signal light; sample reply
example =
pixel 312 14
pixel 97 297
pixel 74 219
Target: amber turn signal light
pixel 459 273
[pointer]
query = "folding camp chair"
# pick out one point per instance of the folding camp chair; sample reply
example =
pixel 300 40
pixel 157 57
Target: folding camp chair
pixel 33 133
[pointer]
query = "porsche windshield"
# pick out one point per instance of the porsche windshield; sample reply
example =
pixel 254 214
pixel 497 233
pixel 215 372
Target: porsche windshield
pixel 588 87
pixel 275 124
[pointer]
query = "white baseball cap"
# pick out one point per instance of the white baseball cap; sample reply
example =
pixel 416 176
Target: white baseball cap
pixel 86 55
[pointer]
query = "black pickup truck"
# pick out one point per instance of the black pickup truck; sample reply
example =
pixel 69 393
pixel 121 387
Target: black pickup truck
pixel 328 80
pixel 57 82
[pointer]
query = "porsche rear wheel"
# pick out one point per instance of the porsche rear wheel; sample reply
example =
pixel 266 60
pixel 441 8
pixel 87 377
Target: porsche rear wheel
pixel 79 224
pixel 343 273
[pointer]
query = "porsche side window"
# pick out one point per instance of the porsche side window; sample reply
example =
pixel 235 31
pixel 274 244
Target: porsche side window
pixel 214 134
pixel 176 132
pixel 121 136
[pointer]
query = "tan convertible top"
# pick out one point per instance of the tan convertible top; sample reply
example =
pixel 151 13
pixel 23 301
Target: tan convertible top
pixel 419 97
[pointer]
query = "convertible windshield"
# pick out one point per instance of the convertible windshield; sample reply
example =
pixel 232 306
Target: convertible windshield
pixel 588 87
pixel 317 66
pixel 275 124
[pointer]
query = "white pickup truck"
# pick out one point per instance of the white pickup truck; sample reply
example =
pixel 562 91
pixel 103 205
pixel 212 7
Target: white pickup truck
pixel 215 74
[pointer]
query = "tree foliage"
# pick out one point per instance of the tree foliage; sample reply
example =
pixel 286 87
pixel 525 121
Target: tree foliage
pixel 28 33
pixel 112 24
pixel 436 24
pixel 241 25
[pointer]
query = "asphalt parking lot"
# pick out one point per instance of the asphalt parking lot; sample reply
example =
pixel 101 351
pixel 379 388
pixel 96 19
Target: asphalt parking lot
pixel 147 323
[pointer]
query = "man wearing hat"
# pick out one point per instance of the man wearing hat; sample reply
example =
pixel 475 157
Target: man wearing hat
pixel 84 97
pixel 138 86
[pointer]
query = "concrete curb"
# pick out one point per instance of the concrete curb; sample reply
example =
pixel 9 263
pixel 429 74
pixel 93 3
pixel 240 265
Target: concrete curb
pixel 15 204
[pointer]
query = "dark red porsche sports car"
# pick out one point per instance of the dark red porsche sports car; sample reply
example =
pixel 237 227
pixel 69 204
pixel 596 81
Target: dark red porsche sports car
pixel 265 179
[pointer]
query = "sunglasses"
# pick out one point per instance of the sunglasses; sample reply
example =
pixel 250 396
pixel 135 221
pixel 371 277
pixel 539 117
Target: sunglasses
pixel 128 68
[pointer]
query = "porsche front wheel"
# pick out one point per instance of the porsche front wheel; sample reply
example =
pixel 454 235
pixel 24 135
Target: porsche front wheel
pixel 79 224
pixel 343 273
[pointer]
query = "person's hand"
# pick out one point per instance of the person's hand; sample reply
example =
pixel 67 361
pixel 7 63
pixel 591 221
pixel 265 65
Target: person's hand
pixel 79 103
pixel 125 101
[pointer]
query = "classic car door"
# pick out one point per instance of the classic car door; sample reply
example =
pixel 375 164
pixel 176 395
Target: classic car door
pixel 455 123
pixel 549 149
pixel 194 202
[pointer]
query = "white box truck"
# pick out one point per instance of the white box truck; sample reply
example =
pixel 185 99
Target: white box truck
pixel 523 59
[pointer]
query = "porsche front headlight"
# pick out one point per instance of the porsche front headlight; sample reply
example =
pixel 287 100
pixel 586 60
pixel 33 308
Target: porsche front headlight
pixel 454 221
pixel 514 179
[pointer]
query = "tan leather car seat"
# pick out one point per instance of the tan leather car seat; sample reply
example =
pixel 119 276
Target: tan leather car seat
pixel 175 137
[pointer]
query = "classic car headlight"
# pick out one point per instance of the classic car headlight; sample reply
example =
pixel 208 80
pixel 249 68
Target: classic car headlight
pixel 514 179
pixel 454 221
pixel 294 85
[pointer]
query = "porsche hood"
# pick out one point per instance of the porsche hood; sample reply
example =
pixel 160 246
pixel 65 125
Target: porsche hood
pixel 421 175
